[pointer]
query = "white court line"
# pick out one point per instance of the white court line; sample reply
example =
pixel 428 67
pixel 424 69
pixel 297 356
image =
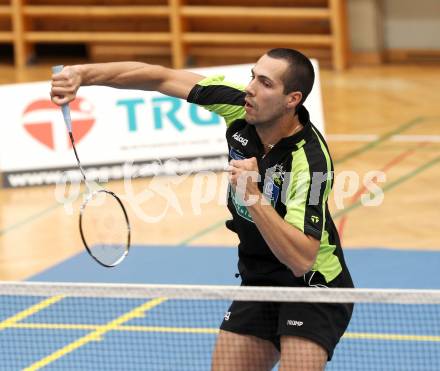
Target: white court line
pixel 352 137
pixel 416 138
pixel 373 137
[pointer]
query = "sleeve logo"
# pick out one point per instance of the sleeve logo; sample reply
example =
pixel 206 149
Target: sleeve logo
pixel 314 219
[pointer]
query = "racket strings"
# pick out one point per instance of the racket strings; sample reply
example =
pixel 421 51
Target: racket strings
pixel 105 228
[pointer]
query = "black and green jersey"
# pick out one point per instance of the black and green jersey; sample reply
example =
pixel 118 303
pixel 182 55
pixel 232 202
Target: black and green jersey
pixel 296 176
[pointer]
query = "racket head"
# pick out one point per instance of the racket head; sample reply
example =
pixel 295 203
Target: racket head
pixel 105 228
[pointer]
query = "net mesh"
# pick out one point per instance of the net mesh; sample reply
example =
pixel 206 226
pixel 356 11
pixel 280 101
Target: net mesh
pixel 159 327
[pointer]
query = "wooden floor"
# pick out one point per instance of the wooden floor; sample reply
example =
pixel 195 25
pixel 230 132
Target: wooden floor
pixel 383 118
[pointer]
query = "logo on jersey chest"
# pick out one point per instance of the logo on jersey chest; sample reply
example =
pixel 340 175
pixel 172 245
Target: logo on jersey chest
pixel 273 183
pixel 271 191
pixel 277 174
pixel 235 155
pixel 240 139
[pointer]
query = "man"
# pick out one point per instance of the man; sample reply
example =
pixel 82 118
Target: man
pixel 281 175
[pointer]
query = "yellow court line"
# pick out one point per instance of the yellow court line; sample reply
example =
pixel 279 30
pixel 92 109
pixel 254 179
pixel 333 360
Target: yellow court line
pixel 399 337
pixel 208 330
pixel 66 326
pixel 54 326
pixel 96 334
pixel 178 330
pixel 11 321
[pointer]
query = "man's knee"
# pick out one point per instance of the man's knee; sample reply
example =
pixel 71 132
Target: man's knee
pixel 299 353
pixel 243 352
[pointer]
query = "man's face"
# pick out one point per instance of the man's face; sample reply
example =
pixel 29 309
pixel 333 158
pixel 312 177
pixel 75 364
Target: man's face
pixel 265 98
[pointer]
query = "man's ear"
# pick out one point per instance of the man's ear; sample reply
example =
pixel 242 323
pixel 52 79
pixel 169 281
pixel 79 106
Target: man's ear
pixel 293 99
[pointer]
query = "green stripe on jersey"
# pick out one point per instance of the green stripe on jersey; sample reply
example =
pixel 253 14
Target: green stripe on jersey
pixel 228 111
pixel 326 262
pixel 328 183
pixel 298 190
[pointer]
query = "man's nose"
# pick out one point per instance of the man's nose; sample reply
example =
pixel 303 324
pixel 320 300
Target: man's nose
pixel 249 90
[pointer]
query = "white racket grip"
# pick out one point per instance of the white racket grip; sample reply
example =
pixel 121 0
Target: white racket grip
pixel 65 107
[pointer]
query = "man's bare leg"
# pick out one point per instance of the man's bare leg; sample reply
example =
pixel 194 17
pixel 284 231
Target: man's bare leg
pixel 243 353
pixel 301 354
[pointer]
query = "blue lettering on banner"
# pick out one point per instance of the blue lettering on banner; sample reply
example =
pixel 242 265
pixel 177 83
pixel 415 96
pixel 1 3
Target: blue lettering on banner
pixel 130 105
pixel 171 114
pixel 194 115
pixel 166 107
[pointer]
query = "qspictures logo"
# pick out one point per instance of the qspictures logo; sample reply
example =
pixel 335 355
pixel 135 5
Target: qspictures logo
pixel 41 120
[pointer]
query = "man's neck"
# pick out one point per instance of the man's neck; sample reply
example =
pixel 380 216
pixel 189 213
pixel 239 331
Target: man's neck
pixel 272 134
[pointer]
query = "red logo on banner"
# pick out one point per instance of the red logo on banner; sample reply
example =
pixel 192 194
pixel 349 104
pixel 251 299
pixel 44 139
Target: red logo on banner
pixel 43 130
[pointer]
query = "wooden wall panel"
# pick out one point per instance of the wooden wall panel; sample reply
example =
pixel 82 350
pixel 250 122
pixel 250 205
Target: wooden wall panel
pixel 180 30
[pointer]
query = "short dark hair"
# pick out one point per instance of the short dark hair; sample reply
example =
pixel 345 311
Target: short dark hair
pixel 299 75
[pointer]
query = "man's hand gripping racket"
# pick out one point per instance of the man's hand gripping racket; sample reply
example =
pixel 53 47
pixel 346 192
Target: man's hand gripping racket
pixel 103 220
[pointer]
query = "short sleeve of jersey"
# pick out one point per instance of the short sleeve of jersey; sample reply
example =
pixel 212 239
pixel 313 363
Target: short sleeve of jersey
pixel 307 194
pixel 216 95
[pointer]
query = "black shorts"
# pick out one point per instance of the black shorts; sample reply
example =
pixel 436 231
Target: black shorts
pixel 321 322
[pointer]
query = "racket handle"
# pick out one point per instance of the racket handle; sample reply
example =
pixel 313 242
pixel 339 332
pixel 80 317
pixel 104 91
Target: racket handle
pixel 65 107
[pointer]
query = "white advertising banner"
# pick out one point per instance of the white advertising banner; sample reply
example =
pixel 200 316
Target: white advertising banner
pixel 112 127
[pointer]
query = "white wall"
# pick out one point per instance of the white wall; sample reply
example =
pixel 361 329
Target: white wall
pixel 394 24
pixel 365 25
pixel 412 24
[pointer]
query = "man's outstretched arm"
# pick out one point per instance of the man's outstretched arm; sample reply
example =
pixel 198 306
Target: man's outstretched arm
pixel 122 75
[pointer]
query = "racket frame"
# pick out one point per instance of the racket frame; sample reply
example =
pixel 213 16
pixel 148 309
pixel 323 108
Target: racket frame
pixel 89 197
